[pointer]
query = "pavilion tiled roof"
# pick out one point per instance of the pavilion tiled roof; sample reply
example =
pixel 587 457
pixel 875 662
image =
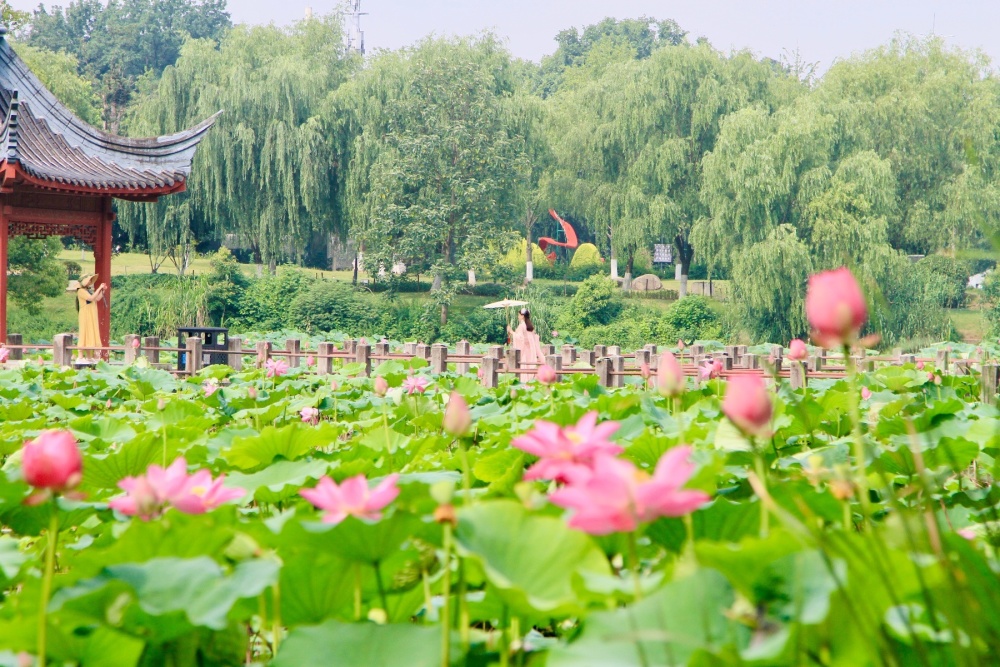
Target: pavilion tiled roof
pixel 51 144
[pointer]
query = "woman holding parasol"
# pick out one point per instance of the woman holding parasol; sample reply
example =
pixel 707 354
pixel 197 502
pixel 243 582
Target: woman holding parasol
pixel 86 303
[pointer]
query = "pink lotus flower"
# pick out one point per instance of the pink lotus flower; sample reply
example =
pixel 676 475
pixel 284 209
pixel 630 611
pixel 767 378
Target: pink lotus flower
pixel 835 308
pixel 415 384
pixel 710 370
pixel 381 386
pixel 866 393
pixel 617 497
pixel 276 367
pixel 210 388
pixel 479 373
pixel 748 404
pixel 797 350
pixel 135 343
pixel 644 371
pixel 546 374
pixel 681 345
pixel 148 495
pixel 309 415
pixel 931 377
pixel 4 354
pixel 920 365
pixel 968 533
pixel 670 376
pixel 107 404
pixel 334 385
pixel 52 462
pixel 352 498
pixel 201 493
pixel 568 452
pixel 252 392
pixel 310 360
pixel 457 418
pixel 555 334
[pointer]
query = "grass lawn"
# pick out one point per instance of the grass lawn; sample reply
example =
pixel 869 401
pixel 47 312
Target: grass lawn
pixel 970 323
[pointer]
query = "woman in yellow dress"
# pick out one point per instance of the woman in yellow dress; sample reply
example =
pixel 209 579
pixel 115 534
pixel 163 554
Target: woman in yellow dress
pixel 90 331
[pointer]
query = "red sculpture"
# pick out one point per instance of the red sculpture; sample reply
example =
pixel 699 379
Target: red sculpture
pixel 571 240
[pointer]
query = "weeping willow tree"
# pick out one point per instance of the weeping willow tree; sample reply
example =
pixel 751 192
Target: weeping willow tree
pixel 267 173
pixel 769 285
pixel 632 138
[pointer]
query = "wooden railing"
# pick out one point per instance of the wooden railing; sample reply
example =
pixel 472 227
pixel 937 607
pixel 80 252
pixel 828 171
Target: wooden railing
pixel 608 363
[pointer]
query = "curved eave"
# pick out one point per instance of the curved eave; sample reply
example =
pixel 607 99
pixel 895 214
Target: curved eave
pixel 14 174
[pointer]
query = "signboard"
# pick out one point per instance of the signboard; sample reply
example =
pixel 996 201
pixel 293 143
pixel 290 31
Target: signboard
pixel 663 253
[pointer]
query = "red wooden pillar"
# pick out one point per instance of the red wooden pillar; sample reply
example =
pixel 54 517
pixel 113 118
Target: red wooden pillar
pixel 3 276
pixel 102 267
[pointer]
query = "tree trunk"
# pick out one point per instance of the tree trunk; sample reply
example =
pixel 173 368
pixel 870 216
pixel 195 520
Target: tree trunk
pixel 685 253
pixel 436 285
pixel 357 260
pixel 627 280
pixel 444 314
pixel 529 267
pixel 614 257
pixel 472 277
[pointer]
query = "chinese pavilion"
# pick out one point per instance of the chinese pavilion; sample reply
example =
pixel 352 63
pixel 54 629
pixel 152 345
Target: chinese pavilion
pixel 59 175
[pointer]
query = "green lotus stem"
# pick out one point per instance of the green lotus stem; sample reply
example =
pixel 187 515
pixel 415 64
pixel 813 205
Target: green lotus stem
pixel 505 637
pixel 50 570
pixel 463 607
pixel 357 591
pixel 446 608
pixel 463 453
pixel 425 582
pixel 765 517
pixel 859 445
pixel 633 557
pixel 276 617
pixel 515 631
pixel 164 432
pixel 381 588
pixel 388 441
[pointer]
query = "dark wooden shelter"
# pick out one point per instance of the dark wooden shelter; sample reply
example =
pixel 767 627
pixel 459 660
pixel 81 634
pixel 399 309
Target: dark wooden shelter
pixel 59 175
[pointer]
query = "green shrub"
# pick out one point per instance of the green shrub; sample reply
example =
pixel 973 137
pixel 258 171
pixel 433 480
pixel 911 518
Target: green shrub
pixel 586 255
pixel 224 287
pixel 332 306
pixel 597 301
pixel 693 318
pixel 264 306
pixel 156 304
pixel 954 275
pixel 476 326
pixel 515 257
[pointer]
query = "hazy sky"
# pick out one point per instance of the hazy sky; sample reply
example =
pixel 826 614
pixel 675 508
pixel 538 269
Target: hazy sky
pixel 821 30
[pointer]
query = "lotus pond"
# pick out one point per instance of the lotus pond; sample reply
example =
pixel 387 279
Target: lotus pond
pixel 455 548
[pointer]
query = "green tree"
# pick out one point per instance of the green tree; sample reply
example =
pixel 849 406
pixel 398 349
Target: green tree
pixel 268 172
pixel 769 285
pixel 58 72
pixel 117 43
pixel 630 144
pixel 435 166
pixel 34 271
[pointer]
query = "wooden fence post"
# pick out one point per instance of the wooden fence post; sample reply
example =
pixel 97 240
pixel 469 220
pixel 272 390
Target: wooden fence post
pixel 423 351
pixel 293 346
pixel 496 352
pixel 548 349
pixel 61 354
pixel 603 369
pixel 263 352
pixel 462 349
pixel 410 349
pixel 235 357
pixel 324 362
pixel 488 370
pixel 381 349
pixel 908 359
pixel 568 355
pixel 151 346
pixel 192 357
pixel 816 363
pixel 613 350
pixel 131 353
pixel 363 356
pixel 16 354
pixel 643 357
pixel 555 361
pixel 513 360
pixel 942 361
pixel 797 375
pixel 618 366
pixel 439 358
pixel 990 380
pixel 600 351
